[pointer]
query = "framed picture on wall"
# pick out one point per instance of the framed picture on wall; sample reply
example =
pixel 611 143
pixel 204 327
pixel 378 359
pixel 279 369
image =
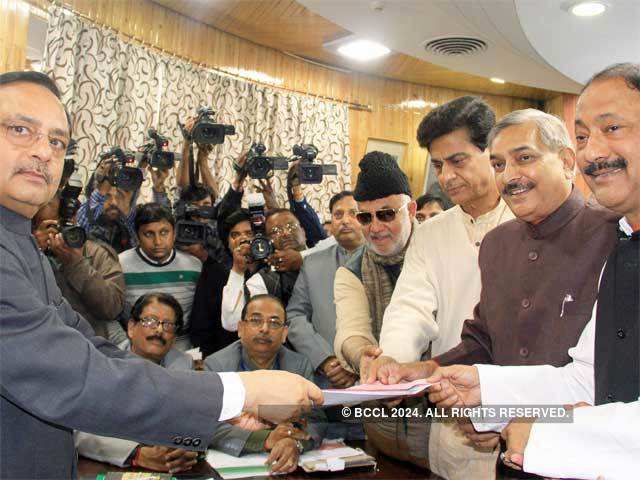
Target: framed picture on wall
pixel 396 149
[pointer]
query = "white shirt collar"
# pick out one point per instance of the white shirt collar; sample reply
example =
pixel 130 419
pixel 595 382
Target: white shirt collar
pixel 625 226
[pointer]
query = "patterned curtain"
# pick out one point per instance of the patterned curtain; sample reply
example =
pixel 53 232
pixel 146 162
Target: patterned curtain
pixel 109 87
pixel 116 90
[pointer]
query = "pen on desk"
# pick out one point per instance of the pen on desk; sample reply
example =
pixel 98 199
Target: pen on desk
pixel 567 298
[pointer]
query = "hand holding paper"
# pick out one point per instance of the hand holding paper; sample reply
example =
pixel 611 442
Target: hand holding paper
pixel 373 391
pixel 455 386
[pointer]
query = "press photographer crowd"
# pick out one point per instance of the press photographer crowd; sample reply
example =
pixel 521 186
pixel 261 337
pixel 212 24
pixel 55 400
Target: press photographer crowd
pixel 494 301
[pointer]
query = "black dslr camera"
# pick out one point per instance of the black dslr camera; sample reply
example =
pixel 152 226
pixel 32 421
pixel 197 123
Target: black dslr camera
pixel 153 152
pixel 206 132
pixel 310 172
pixel 189 231
pixel 261 247
pixel 120 175
pixel 73 235
pixel 259 166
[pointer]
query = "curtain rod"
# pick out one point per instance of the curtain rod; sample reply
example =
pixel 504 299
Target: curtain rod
pixel 351 105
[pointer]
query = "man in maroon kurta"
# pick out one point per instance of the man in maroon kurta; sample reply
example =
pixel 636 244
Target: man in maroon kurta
pixel 539 275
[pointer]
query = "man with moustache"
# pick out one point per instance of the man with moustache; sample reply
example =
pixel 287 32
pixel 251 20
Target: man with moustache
pixel 277 277
pixel 311 311
pixel 156 319
pixel 206 330
pixel 364 285
pixel 440 281
pixel 90 277
pixel 539 279
pixel 601 441
pixel 263 331
pixel 54 372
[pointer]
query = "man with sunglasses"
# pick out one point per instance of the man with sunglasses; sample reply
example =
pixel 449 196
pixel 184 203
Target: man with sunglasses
pixel 263 331
pixel 440 282
pixel 364 285
pixel 55 373
pixel 155 321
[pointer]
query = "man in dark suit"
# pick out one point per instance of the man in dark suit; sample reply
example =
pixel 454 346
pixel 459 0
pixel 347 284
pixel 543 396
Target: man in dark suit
pixel 54 373
pixel 263 330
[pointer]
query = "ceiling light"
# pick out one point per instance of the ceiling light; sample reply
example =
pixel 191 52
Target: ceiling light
pixel 588 9
pixel 363 50
pixel 497 80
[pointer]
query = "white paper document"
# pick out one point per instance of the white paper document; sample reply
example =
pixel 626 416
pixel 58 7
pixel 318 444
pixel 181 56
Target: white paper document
pixel 372 391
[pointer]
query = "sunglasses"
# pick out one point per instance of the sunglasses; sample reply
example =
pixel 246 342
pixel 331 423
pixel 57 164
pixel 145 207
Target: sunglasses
pixel 385 215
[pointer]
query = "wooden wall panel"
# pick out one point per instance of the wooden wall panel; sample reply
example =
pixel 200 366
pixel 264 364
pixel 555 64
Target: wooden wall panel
pixel 155 25
pixel 14 22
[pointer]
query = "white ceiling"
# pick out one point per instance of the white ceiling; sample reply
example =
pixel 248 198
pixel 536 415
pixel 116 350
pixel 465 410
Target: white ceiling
pixel 530 42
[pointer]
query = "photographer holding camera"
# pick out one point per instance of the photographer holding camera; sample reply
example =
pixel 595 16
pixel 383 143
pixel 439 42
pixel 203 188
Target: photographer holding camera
pixel 109 201
pixel 89 276
pixel 274 248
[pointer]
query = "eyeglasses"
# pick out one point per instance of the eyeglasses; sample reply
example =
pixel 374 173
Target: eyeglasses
pixel 257 321
pixel 385 215
pixel 22 135
pixel 288 228
pixel 153 322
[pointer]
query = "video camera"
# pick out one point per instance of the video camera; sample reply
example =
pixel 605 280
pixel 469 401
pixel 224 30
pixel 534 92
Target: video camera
pixel 155 154
pixel 310 172
pixel 190 231
pixel 261 247
pixel 73 235
pixel 260 166
pixel 120 175
pixel 206 132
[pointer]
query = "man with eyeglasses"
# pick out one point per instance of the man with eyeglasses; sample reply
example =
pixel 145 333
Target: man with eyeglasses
pixel 156 266
pixel 263 331
pixel 440 282
pixel 156 319
pixel 277 276
pixel 312 312
pixel 539 275
pixel 55 373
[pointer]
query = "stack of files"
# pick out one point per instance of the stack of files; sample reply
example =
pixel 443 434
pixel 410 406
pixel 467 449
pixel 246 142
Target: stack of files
pixel 331 456
pixel 372 391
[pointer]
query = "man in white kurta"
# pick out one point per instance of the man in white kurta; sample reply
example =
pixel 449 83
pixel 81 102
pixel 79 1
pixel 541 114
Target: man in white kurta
pixel 440 281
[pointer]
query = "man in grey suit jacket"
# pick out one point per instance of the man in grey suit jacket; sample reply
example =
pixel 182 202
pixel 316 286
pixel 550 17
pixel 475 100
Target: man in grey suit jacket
pixel 156 319
pixel 262 329
pixel 311 311
pixel 55 374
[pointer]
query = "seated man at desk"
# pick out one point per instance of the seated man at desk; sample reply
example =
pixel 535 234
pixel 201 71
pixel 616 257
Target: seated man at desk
pixel 263 329
pixel 155 320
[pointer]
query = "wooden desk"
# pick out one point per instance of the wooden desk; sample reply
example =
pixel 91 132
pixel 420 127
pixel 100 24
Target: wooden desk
pixel 388 469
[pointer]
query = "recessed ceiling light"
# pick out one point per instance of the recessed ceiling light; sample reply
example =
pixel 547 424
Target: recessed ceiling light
pixel 497 80
pixel 363 50
pixel 588 9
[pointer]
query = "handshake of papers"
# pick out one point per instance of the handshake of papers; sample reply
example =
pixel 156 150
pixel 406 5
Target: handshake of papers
pixel 372 391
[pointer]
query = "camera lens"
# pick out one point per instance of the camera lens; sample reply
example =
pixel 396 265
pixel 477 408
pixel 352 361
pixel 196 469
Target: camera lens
pixel 75 237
